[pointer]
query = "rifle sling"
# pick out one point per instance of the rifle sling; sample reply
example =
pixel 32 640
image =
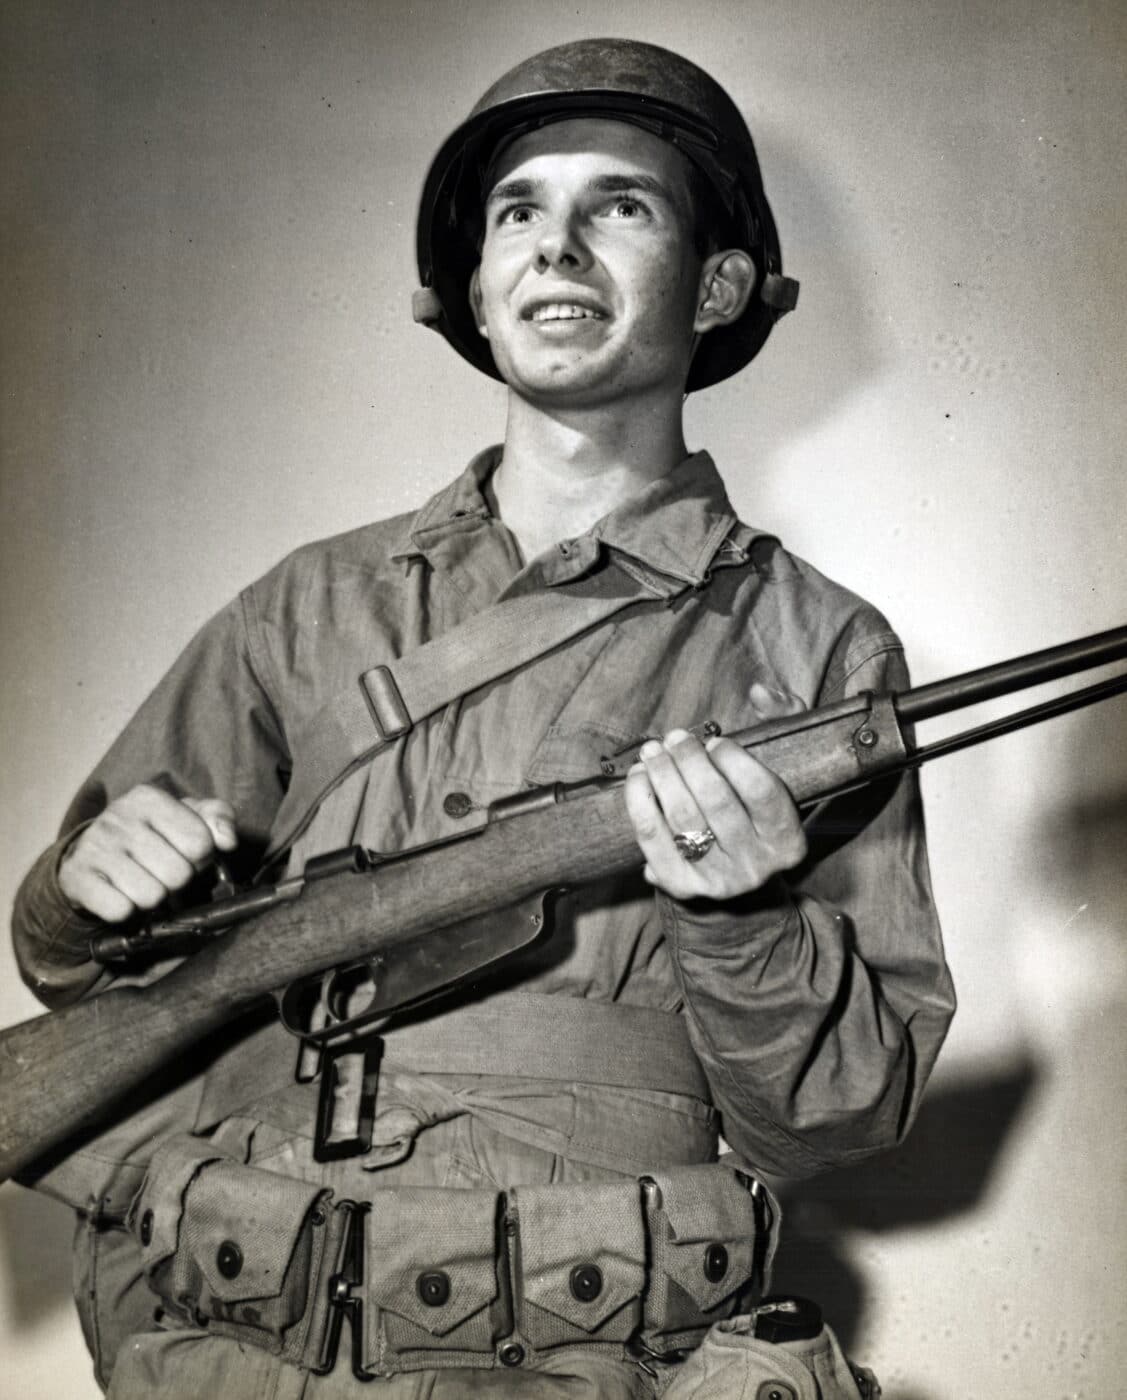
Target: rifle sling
pixel 389 699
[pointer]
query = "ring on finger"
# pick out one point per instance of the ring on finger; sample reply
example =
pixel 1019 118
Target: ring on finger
pixel 694 845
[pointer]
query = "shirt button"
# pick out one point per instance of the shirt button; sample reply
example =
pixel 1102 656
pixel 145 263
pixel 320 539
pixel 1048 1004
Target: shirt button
pixel 457 804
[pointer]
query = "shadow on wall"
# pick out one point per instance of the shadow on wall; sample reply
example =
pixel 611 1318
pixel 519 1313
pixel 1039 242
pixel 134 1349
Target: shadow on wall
pixel 35 1253
pixel 944 1168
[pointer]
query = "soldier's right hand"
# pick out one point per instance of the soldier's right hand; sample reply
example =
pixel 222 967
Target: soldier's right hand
pixel 142 847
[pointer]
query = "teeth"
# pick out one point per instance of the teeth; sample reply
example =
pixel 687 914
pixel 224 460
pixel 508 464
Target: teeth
pixel 564 311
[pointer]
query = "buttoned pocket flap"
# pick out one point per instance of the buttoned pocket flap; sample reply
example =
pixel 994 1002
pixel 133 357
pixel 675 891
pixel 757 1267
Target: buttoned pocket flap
pixel 432 1264
pixel 156 1213
pixel 710 1232
pixel 582 1253
pixel 241 1226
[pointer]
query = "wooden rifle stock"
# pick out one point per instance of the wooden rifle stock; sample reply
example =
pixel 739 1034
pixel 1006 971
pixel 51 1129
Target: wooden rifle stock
pixel 65 1071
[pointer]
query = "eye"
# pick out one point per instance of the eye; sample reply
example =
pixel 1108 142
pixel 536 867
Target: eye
pixel 516 214
pixel 628 208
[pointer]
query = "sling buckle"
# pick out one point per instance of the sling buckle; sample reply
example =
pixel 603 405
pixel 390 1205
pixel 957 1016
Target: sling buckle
pixel 391 716
pixel 345 1304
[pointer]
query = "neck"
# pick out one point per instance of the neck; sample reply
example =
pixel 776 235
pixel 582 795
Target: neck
pixel 562 471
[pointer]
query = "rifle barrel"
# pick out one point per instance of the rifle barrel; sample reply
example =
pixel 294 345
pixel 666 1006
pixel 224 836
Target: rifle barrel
pixel 925 701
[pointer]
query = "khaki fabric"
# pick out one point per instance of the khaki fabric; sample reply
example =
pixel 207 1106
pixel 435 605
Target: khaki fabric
pixel 732 1364
pixel 815 1007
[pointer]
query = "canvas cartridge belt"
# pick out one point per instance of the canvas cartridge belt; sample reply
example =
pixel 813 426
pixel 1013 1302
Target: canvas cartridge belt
pixel 429 1278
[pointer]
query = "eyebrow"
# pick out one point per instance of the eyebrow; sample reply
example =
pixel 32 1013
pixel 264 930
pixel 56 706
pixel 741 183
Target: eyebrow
pixel 601 184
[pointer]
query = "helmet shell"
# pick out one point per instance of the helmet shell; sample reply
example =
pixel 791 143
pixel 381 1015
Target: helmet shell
pixel 628 81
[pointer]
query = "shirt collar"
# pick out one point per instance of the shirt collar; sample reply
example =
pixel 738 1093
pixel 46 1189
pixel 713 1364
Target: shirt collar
pixel 674 526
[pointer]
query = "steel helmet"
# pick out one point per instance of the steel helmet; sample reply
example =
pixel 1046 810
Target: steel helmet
pixel 632 82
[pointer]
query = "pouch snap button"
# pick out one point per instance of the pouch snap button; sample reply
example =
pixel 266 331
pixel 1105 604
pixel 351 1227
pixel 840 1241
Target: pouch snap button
pixel 229 1259
pixel 586 1282
pixel 457 804
pixel 715 1263
pixel 433 1288
pixel 147 1228
pixel 511 1354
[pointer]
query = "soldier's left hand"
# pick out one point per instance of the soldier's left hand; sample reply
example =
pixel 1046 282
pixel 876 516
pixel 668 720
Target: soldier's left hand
pixel 682 785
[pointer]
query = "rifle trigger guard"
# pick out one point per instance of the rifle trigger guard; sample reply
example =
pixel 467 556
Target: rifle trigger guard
pixel 877 742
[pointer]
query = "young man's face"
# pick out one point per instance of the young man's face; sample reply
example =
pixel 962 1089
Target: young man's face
pixel 589 284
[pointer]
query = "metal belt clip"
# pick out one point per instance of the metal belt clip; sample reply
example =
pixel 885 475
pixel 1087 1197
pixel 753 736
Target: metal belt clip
pixel 344 1302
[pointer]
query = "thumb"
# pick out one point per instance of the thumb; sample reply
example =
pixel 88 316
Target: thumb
pixel 771 702
pixel 219 817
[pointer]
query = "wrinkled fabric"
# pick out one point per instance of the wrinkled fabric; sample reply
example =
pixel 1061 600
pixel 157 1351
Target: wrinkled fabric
pixel 816 1006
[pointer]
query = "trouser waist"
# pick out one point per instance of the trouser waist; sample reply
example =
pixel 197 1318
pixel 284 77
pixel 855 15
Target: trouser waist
pixel 429 1277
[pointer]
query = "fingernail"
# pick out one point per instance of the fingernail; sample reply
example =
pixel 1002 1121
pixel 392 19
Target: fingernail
pixel 676 736
pixel 710 744
pixel 650 749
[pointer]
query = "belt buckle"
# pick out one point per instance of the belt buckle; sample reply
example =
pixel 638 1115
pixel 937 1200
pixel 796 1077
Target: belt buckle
pixel 344 1304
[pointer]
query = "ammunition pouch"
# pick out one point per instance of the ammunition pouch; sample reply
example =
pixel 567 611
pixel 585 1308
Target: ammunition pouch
pixel 234 1248
pixel 430 1278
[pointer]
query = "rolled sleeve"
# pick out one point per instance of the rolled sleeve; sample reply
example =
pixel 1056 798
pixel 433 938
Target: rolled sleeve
pixel 818 1005
pixel 209 729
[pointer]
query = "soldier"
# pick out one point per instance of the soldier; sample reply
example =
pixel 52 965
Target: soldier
pixel 541 1211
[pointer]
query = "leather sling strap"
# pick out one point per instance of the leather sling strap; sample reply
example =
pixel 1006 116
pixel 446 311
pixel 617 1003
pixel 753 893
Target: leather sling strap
pixel 388 700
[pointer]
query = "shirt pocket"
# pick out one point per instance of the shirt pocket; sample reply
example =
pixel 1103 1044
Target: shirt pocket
pixel 573 752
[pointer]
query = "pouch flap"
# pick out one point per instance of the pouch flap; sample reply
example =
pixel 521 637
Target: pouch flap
pixel 582 1249
pixel 155 1215
pixel 432 1254
pixel 712 1231
pixel 241 1226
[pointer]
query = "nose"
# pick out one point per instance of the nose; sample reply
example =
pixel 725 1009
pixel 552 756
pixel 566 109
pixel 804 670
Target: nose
pixel 561 245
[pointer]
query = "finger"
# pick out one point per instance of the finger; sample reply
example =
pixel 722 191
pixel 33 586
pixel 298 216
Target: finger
pixel 764 797
pixel 185 828
pixel 107 903
pixel 663 767
pixel 151 807
pixel 137 884
pixel 148 848
pixel 651 827
pixel 91 893
pixel 219 817
pixel 719 806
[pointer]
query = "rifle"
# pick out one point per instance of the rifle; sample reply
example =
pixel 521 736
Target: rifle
pixel 417 922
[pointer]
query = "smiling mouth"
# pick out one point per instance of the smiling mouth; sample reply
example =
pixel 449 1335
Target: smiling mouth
pixel 565 311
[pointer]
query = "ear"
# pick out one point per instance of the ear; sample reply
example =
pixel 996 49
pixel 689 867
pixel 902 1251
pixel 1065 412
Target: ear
pixel 726 283
pixel 476 304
